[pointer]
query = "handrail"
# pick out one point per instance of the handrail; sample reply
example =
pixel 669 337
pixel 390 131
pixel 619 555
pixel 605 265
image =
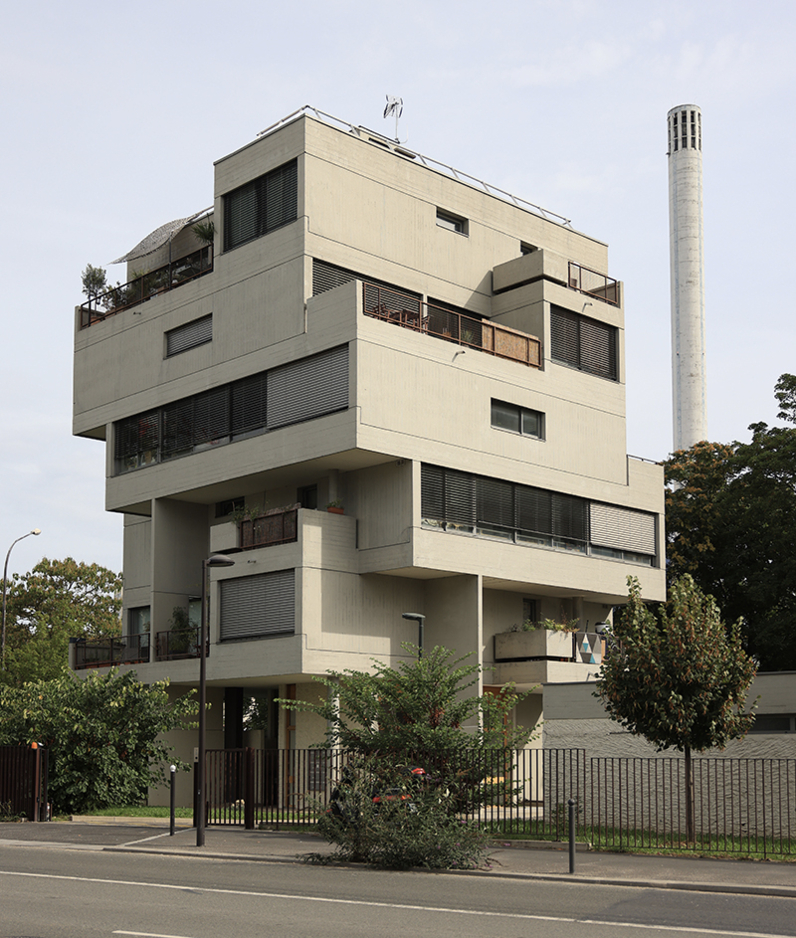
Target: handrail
pixel 276 526
pixel 169 277
pixel 452 326
pixel 593 283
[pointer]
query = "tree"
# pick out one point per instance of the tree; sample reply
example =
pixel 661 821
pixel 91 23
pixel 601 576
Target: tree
pixel 679 678
pixel 94 280
pixel 104 735
pixel 731 524
pixel 56 601
pixel 423 714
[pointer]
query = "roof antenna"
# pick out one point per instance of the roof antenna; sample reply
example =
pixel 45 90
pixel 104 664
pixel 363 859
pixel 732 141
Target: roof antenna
pixel 394 106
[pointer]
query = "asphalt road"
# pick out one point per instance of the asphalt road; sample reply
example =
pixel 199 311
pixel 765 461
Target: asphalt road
pixel 55 892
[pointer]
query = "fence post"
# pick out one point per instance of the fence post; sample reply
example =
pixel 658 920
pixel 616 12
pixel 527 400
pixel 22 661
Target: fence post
pixel 571 806
pixel 248 788
pixel 172 798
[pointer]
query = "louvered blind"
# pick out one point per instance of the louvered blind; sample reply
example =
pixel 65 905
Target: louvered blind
pixel 211 415
pixel 432 498
pixel 622 528
pixel 261 205
pixel 534 510
pixel 308 388
pixel 258 606
pixel 188 336
pixel 570 517
pixel 583 343
pixel 459 497
pixel 249 403
pixel 177 429
pixel 495 502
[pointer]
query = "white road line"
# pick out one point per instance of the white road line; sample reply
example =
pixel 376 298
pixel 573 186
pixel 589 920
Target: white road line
pixel 293 897
pixel 146 934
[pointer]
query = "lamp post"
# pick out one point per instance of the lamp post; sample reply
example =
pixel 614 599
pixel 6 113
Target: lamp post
pixel 420 619
pixel 216 560
pixel 5 578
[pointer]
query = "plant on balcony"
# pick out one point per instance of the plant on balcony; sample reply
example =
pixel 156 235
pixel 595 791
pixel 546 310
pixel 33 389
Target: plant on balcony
pixel 205 231
pixel 335 506
pixel 182 632
pixel 550 625
pixel 94 280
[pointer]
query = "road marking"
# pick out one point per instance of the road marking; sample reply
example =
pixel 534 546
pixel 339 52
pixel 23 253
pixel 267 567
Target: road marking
pixel 147 934
pixel 292 897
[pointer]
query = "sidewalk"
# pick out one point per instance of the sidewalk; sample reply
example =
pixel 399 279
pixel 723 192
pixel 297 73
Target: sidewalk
pixel 507 859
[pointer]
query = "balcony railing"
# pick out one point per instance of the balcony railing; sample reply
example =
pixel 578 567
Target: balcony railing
pixel 107 652
pixel 450 325
pixel 276 526
pixel 123 296
pixel 593 284
pixel 171 646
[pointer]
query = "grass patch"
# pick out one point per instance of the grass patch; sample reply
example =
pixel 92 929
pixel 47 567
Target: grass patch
pixel 142 811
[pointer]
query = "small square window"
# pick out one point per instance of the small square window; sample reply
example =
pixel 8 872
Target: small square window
pixel 517 419
pixel 451 222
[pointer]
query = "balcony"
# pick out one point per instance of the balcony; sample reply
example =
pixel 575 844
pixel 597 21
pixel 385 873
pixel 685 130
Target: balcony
pixel 410 312
pixel 276 526
pixel 545 656
pixel 177 644
pixel 593 284
pixel 123 296
pixel 109 652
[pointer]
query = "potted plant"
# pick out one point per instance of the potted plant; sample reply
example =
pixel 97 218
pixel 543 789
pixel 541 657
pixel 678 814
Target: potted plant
pixel 335 506
pixel 547 639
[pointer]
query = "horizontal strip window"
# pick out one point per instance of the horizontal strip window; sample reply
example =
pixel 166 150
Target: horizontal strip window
pixel 460 501
pixel 260 206
pixel 258 606
pixel 311 387
pixel 583 343
pixel 517 419
pixel 190 335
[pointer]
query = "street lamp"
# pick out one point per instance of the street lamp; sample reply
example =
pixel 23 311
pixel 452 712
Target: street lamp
pixel 5 578
pixel 216 560
pixel 416 617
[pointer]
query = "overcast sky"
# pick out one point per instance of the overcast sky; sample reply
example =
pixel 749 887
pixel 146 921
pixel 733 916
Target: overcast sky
pixel 113 113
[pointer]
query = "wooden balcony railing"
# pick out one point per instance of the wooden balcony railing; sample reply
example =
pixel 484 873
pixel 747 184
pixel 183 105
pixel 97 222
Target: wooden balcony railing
pixel 451 325
pixel 593 284
pixel 276 526
pixel 125 295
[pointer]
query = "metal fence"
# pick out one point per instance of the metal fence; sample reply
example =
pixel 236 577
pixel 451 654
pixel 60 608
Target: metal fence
pixel 740 805
pixel 23 782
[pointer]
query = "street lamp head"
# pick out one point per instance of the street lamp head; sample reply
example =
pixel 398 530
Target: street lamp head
pixel 219 560
pixel 36 531
pixel 414 616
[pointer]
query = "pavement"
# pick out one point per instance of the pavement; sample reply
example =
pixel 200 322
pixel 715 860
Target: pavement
pixel 513 859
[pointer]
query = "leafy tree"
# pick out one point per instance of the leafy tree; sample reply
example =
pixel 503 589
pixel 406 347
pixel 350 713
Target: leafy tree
pixel 421 713
pixel 731 524
pixel 94 280
pixel 679 678
pixel 103 734
pixel 56 601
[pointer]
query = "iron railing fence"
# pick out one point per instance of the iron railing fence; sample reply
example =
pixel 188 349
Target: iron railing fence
pixel 143 288
pixel 593 283
pixel 276 526
pixel 411 313
pixel 742 806
pixel 23 782
pixel 105 652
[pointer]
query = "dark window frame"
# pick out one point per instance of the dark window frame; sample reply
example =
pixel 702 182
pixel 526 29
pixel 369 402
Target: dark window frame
pixel 261 205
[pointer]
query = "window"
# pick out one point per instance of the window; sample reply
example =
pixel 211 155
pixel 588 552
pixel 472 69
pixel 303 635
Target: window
pixel 529 610
pixel 261 206
pixel 583 343
pixel 138 620
pixel 517 419
pixel 302 390
pixel 451 222
pixel 258 606
pixel 230 505
pixel 189 336
pixel 460 501
pixel 308 496
pixel 527 248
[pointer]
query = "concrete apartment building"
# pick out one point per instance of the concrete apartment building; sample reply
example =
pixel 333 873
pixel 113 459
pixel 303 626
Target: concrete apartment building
pixel 442 361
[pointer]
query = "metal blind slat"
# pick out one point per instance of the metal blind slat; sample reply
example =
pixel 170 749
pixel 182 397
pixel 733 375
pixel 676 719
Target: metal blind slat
pixel 258 606
pixel 622 528
pixel 308 388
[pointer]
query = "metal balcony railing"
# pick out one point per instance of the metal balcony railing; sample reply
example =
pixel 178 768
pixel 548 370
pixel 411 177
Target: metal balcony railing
pixel 184 643
pixel 277 526
pixel 123 296
pixel 593 283
pixel 106 652
pixel 412 313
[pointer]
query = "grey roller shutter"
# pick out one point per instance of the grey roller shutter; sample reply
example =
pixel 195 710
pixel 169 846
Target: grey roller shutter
pixel 432 488
pixel 197 332
pixel 258 606
pixel 308 388
pixel 622 528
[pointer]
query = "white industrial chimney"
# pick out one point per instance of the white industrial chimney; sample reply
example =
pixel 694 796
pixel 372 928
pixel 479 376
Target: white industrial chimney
pixel 684 125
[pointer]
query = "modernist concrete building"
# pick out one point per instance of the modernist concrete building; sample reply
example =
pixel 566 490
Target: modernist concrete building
pixel 440 360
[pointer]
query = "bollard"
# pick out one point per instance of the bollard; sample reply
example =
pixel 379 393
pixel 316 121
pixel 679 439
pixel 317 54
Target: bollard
pixel 571 804
pixel 172 799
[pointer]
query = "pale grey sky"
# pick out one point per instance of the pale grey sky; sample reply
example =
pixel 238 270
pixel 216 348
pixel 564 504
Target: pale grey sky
pixel 112 115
